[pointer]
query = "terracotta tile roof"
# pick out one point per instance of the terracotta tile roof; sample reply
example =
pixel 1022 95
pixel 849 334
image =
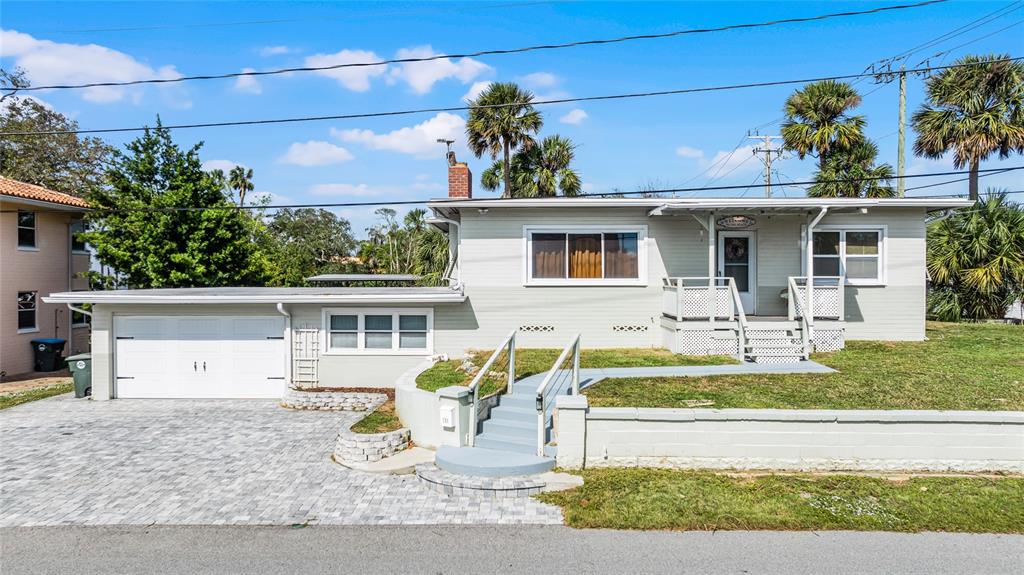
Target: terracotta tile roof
pixel 9 187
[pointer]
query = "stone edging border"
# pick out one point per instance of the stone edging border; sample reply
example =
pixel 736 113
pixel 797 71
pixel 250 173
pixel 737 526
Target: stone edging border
pixel 332 400
pixel 451 484
pixel 352 447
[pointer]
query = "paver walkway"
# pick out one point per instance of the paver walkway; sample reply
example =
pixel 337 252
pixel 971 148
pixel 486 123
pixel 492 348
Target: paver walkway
pixel 182 462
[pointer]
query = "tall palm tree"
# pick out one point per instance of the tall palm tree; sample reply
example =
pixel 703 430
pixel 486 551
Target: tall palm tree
pixel 975 109
pixel 502 119
pixel 240 180
pixel 852 173
pixel 539 172
pixel 818 120
pixel 976 260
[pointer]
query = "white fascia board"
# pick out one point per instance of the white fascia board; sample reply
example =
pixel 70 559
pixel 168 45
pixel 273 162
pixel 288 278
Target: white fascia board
pixel 667 204
pixel 123 297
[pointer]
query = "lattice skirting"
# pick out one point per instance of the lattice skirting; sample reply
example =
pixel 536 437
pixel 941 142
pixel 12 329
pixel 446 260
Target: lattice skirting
pixel 829 339
pixel 776 359
pixel 703 342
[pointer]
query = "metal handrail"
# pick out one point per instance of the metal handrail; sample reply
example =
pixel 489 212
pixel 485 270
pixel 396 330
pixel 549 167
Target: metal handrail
pixel 474 386
pixel 741 315
pixel 574 347
pixel 805 331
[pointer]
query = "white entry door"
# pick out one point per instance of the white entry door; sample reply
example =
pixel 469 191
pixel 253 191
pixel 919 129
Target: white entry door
pixel 737 259
pixel 199 356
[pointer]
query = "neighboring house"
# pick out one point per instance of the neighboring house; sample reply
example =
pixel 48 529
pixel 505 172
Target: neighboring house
pixel 39 255
pixel 695 275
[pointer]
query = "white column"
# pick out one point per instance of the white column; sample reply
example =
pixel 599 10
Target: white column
pixel 712 265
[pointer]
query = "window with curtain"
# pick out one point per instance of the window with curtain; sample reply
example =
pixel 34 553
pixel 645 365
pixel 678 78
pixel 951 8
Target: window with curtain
pixel 854 253
pixel 584 255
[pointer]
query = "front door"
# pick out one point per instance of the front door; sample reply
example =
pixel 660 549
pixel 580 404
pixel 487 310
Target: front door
pixel 737 259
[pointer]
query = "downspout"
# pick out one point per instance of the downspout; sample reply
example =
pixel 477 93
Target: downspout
pixel 454 253
pixel 809 303
pixel 287 341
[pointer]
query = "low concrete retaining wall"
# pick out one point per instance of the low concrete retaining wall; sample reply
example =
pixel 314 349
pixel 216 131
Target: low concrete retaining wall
pixel 352 447
pixel 419 410
pixel 800 440
pixel 332 400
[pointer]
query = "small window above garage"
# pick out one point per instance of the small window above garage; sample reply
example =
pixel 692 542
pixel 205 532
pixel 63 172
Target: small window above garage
pixel 378 331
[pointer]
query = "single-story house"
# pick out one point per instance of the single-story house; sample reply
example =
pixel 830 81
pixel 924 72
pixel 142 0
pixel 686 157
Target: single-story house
pixel 40 253
pixel 697 275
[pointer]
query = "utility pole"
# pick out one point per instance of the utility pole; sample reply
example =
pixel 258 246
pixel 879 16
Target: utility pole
pixel 768 154
pixel 901 157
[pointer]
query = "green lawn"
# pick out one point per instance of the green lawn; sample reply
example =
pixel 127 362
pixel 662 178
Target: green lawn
pixel 531 361
pixel 691 500
pixel 10 400
pixel 960 367
pixel 380 420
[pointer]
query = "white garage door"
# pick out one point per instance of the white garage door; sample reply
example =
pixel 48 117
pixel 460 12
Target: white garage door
pixel 199 356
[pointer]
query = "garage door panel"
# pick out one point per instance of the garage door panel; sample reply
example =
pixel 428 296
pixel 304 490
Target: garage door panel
pixel 243 357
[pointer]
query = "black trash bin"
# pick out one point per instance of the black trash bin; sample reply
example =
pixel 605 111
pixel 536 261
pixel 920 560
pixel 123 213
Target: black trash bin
pixel 48 353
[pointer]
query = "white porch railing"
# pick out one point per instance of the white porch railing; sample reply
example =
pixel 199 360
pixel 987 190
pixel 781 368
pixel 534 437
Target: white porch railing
pixel 507 345
pixel 699 298
pixel 828 293
pixel 553 383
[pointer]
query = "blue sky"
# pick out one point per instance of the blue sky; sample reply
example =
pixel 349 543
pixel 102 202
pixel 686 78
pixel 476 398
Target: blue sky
pixel 664 142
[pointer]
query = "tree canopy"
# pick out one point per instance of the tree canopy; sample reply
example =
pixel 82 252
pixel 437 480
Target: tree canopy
pixel 164 222
pixel 852 173
pixel 818 120
pixel 501 121
pixel 307 242
pixel 540 171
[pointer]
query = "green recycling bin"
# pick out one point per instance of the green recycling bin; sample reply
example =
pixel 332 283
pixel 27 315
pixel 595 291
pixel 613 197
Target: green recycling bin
pixel 47 352
pixel 81 369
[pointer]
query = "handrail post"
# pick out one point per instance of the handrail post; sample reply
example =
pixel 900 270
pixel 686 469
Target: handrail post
pixel 576 368
pixel 511 363
pixel 474 416
pixel 841 295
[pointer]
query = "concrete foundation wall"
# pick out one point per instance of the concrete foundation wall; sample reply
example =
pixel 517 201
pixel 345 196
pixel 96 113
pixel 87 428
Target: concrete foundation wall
pixel 805 440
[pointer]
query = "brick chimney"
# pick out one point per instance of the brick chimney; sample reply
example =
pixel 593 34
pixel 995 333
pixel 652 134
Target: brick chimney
pixel 460 179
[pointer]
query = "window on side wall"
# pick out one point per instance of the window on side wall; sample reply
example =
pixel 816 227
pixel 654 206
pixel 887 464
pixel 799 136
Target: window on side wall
pixel 378 332
pixel 585 256
pixel 857 253
pixel 27 312
pixel 26 229
pixel 77 245
pixel 79 319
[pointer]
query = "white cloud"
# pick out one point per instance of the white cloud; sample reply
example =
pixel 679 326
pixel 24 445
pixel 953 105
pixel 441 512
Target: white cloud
pixel 315 153
pixel 225 165
pixel 421 76
pixel 357 78
pixel 688 152
pixel 355 190
pixel 419 140
pixel 248 84
pixel 48 62
pixel 575 116
pixel 476 89
pixel 274 50
pixel 539 80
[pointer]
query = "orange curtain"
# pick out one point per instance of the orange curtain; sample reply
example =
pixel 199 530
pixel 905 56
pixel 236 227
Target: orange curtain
pixel 585 256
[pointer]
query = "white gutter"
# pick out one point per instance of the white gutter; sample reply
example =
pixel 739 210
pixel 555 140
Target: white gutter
pixel 78 309
pixel 454 253
pixel 287 340
pixel 126 297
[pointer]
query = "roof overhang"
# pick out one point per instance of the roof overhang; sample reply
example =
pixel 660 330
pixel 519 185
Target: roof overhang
pixel 56 206
pixel 664 206
pixel 259 296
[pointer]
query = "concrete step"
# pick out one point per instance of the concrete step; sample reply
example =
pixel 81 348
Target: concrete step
pixel 518 429
pixel 488 462
pixel 505 443
pixel 501 413
pixel 520 400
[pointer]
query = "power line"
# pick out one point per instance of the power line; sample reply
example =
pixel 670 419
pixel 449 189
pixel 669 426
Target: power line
pixel 465 108
pixel 473 200
pixel 973 24
pixel 991 173
pixel 496 52
pixel 944 53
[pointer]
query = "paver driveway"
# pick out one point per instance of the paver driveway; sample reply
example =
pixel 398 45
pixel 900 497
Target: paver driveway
pixel 66 461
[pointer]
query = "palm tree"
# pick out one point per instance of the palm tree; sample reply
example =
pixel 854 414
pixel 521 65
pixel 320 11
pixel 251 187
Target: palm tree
pixel 240 180
pixel 539 172
pixel 852 173
pixel 976 260
pixel 975 109
pixel 502 119
pixel 818 120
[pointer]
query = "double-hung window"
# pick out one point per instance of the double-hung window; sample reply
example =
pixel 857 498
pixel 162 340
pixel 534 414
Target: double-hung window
pixel 77 245
pixel 585 255
pixel 855 252
pixel 26 230
pixel 378 331
pixel 27 308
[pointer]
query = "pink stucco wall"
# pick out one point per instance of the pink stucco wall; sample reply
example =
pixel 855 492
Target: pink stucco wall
pixel 50 268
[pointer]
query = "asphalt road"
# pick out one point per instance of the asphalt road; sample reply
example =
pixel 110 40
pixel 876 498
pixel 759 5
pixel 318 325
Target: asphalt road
pixel 467 550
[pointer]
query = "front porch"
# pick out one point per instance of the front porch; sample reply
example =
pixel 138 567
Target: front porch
pixel 706 316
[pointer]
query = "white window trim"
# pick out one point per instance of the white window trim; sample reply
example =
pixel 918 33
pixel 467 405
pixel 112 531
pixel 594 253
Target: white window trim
pixel 35 231
pixel 639 230
pixel 883 250
pixel 361 313
pixel 35 328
